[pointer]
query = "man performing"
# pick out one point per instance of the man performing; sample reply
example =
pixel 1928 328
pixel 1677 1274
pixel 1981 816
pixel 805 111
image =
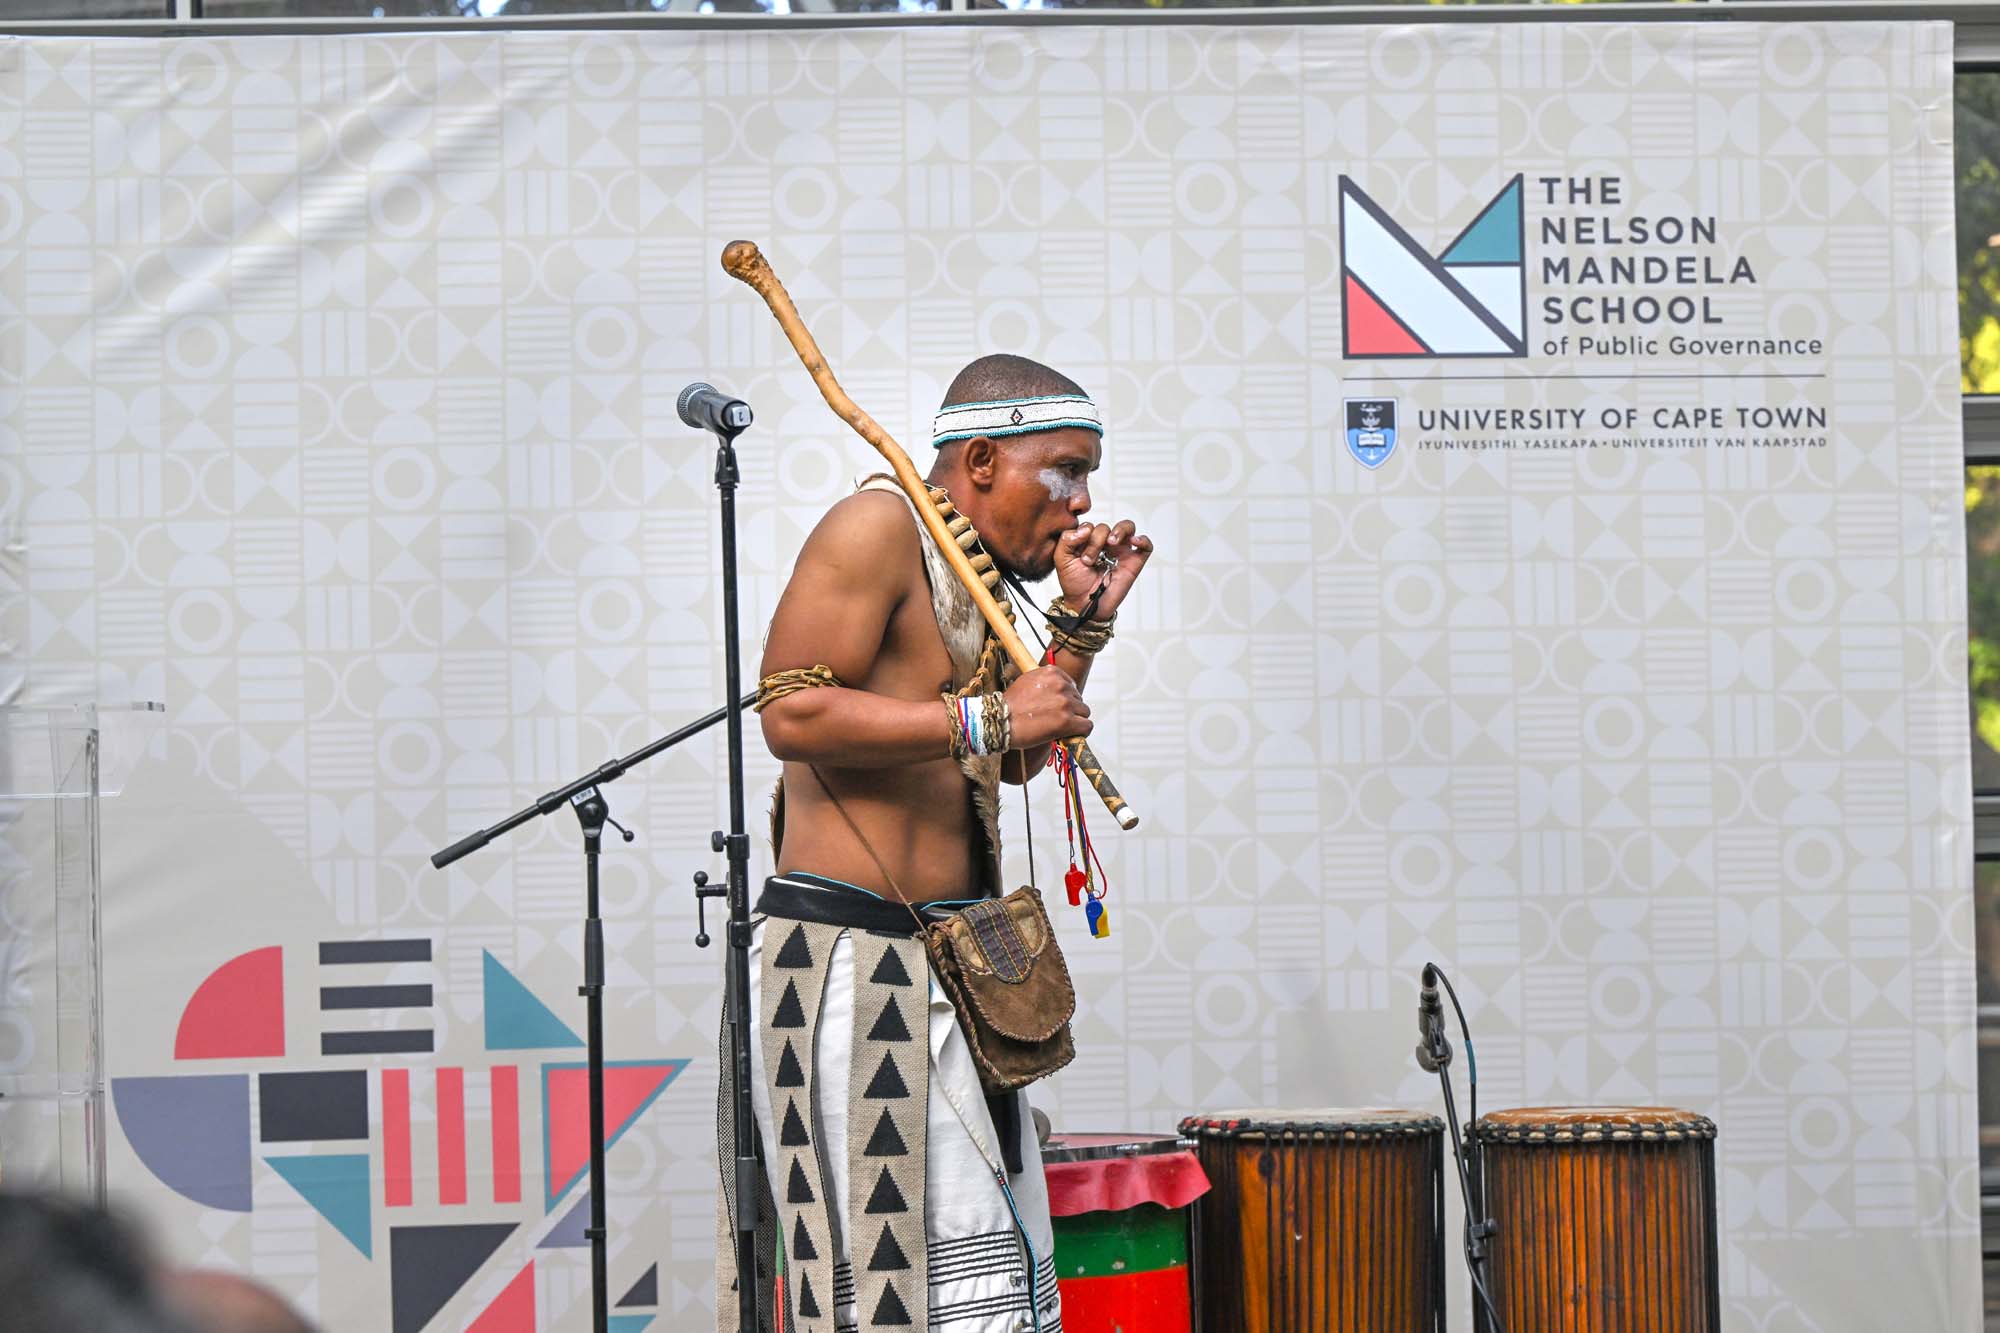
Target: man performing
pixel 904 1196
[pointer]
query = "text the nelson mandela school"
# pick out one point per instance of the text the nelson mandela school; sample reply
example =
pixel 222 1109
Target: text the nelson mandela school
pixel 1703 264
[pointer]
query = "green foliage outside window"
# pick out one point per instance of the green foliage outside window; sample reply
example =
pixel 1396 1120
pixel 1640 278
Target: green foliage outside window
pixel 1982 548
pixel 1978 199
pixel 1978 138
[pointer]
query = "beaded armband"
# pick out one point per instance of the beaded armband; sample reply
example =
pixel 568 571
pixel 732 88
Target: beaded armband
pixel 781 683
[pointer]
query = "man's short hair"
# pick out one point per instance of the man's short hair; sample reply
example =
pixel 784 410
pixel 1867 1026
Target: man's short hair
pixel 1003 375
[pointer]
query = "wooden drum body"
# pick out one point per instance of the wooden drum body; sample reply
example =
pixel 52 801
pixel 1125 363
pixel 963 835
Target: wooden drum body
pixel 1604 1219
pixel 1323 1220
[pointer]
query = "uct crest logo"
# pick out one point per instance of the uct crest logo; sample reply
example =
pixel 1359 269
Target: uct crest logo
pixel 1400 301
pixel 1371 429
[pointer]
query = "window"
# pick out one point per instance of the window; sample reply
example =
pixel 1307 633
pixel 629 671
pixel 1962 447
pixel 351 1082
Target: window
pixel 1977 125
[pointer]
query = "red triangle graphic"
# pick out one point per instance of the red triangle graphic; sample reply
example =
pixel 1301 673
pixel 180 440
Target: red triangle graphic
pixel 1373 331
pixel 513 1310
pixel 628 1090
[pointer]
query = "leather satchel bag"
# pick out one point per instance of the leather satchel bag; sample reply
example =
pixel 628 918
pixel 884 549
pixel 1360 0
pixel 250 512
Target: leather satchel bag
pixel 1001 968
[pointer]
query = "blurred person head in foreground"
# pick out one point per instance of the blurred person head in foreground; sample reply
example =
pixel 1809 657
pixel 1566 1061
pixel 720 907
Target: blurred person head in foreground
pixel 66 1265
pixel 70 1267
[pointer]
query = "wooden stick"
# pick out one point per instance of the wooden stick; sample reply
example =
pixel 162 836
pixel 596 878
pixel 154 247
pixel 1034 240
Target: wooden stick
pixel 742 261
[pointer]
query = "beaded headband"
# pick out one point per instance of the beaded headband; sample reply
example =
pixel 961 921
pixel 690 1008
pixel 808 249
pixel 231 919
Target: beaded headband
pixel 1014 416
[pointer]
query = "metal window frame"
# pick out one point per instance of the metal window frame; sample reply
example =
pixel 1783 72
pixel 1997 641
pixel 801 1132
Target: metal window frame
pixel 1976 22
pixel 1982 428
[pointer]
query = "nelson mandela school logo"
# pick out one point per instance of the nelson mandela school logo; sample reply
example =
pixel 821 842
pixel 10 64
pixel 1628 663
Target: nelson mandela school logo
pixel 1371 430
pixel 1400 301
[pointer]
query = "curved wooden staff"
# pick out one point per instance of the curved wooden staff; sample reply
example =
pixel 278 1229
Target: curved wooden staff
pixel 742 261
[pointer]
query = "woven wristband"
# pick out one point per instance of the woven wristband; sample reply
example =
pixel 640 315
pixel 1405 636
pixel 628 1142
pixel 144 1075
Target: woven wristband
pixel 982 737
pixel 1068 630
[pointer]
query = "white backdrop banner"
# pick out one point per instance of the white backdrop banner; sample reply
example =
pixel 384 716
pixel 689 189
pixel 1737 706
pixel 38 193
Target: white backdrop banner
pixel 1551 437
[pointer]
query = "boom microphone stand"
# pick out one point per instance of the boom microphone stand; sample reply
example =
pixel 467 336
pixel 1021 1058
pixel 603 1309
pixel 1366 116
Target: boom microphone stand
pixel 586 797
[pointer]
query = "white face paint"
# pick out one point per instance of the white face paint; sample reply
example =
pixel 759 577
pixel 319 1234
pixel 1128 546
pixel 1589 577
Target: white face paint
pixel 1062 487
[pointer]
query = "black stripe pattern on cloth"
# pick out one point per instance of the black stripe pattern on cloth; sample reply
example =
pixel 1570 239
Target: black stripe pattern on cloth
pixel 888 1102
pixel 994 1255
pixel 791 986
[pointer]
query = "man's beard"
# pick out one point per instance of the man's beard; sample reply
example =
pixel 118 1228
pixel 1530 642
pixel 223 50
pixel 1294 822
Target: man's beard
pixel 1034 573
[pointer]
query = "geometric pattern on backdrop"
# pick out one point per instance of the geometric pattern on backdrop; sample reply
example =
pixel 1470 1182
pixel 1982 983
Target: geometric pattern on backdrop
pixel 338 413
pixel 194 1132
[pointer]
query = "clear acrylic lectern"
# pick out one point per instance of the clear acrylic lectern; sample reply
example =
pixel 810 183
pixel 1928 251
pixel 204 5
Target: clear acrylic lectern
pixel 57 762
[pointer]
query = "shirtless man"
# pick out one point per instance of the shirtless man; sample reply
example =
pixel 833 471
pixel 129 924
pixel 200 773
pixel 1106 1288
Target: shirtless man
pixel 903 1194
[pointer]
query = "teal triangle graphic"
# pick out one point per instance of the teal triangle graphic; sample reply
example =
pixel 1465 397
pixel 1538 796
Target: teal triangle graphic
pixel 515 1019
pixel 337 1188
pixel 1495 235
pixel 627 1323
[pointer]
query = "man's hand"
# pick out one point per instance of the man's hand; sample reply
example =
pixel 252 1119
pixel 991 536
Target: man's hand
pixel 1079 563
pixel 1044 706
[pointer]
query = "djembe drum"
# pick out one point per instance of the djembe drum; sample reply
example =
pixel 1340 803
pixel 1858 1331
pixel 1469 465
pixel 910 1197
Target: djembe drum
pixel 1120 1207
pixel 1323 1220
pixel 1604 1219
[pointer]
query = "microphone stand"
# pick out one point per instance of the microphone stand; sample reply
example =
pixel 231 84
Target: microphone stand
pixel 736 985
pixel 1434 1056
pixel 586 797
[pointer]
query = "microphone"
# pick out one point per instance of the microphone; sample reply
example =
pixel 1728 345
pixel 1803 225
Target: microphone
pixel 706 407
pixel 1433 1051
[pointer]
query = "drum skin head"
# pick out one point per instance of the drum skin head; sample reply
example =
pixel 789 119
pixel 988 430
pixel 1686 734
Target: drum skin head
pixel 1658 1117
pixel 1312 1122
pixel 1089 1147
pixel 1585 1123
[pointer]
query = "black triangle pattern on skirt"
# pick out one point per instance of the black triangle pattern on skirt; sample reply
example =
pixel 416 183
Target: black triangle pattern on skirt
pixel 790 1073
pixel 808 1306
pixel 790 1013
pixel 891 1310
pixel 797 1190
pixel 796 953
pixel 887 1198
pixel 803 1248
pixel 885 1141
pixel 890 971
pixel 890 1026
pixel 889 1073
pixel 887 1084
pixel 889 1256
pixel 792 1134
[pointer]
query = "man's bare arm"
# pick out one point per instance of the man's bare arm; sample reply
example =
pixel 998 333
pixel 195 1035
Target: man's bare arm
pixel 852 574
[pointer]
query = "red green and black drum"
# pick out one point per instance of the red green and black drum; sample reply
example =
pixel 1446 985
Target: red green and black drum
pixel 1120 1207
pixel 1323 1220
pixel 1605 1219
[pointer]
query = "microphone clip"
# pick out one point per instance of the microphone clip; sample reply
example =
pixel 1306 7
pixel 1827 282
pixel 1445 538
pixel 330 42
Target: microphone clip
pixel 1433 1050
